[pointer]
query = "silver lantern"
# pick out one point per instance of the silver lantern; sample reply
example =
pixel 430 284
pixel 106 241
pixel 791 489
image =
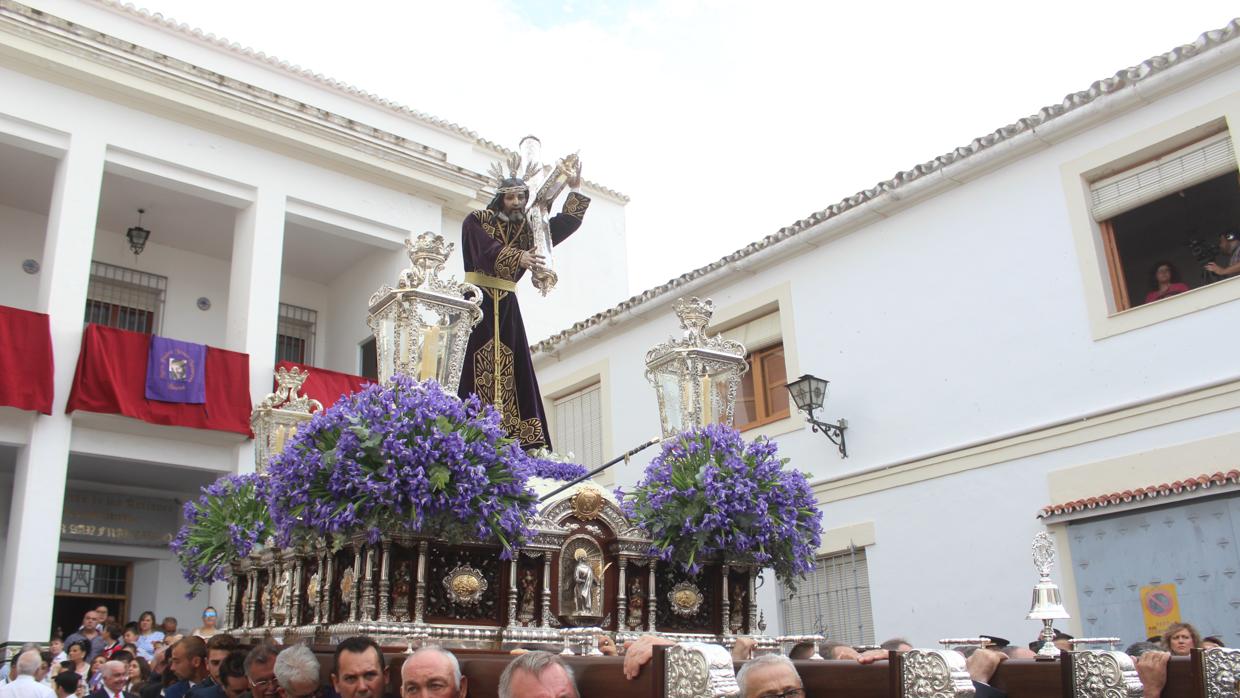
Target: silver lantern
pixel 276 418
pixel 422 326
pixel 695 377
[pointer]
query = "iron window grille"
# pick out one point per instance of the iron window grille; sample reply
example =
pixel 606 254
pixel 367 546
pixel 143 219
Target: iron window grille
pixel 295 334
pixel 126 299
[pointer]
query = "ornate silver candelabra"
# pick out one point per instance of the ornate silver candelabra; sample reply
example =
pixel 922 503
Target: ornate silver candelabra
pixel 1047 603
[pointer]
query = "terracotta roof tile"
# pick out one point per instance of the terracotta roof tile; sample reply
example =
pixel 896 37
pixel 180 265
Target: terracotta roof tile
pixel 1204 481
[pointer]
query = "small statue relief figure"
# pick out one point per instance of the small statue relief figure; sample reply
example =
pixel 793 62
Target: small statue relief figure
pixel 279 604
pixel 400 592
pixel 637 604
pixel 346 590
pixel 736 610
pixel 312 588
pixel 529 592
pixel 583 584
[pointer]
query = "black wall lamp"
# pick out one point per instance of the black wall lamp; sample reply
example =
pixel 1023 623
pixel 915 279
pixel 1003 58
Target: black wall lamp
pixel 809 392
pixel 138 235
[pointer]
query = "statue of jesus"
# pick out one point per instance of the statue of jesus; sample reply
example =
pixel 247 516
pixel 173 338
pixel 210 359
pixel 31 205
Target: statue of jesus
pixel 499 246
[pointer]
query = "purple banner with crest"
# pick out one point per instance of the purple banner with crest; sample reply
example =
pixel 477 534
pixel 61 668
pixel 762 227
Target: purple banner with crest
pixel 175 371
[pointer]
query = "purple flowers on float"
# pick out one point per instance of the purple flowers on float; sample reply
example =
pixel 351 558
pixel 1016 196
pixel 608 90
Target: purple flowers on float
pixel 222 525
pixel 406 456
pixel 709 495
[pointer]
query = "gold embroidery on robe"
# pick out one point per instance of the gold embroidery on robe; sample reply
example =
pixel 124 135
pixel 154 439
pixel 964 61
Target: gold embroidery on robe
pixel 507 263
pixel 575 205
pixel 526 431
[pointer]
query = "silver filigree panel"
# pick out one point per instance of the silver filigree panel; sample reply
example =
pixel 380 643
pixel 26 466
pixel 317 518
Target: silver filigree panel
pixel 1104 674
pixel 934 674
pixel 1221 666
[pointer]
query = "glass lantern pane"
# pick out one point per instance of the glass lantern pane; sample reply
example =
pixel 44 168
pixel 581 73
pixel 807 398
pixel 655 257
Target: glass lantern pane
pixel 746 409
pixel 718 396
pixel 674 401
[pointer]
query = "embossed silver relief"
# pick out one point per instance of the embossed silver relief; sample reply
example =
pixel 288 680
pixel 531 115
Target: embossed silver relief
pixel 685 599
pixel 465 585
pixel 686 674
pixel 934 674
pixel 1104 674
pixel 1221 666
pixel 698 670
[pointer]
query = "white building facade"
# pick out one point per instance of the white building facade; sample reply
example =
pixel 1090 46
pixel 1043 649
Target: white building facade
pixel 981 320
pixel 278 201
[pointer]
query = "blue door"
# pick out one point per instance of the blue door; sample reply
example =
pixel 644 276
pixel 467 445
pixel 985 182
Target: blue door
pixel 1190 545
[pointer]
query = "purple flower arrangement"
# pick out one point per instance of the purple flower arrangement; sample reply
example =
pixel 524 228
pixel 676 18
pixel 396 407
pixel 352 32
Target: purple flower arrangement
pixel 406 456
pixel 709 495
pixel 221 526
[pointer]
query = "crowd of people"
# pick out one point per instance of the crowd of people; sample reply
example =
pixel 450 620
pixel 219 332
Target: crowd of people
pixel 139 660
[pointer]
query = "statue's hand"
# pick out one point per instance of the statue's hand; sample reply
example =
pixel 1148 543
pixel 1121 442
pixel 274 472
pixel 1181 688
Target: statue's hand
pixel 574 180
pixel 531 260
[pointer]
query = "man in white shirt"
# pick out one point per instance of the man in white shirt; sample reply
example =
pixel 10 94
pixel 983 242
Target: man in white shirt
pixel 24 685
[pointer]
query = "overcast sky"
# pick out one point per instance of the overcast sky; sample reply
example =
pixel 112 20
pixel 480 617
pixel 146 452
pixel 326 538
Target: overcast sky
pixel 724 121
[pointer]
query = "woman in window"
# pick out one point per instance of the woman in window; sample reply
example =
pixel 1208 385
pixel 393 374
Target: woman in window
pixel 147 634
pixel 1164 282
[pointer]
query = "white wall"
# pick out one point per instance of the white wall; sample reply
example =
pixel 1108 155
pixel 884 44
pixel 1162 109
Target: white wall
pixel 957 320
pixel 21 237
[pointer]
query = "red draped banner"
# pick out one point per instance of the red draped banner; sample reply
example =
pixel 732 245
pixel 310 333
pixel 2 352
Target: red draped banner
pixel 111 378
pixel 324 385
pixel 25 360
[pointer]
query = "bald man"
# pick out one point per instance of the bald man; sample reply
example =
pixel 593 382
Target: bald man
pixel 432 671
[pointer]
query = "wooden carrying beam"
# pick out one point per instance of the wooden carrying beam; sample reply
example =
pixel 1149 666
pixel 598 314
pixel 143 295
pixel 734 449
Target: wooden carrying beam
pixel 1200 676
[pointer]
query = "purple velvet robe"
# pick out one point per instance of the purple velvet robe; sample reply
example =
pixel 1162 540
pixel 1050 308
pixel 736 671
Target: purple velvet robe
pixel 492 247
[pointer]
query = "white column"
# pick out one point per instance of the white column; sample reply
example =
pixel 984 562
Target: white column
pixel 33 543
pixel 254 295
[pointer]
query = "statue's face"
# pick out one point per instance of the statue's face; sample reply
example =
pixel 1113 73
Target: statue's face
pixel 514 201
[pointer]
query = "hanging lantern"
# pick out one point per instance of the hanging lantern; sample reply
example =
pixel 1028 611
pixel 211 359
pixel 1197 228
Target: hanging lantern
pixel 276 418
pixel 423 325
pixel 695 377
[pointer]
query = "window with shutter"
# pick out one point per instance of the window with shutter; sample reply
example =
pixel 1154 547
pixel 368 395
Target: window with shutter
pixel 577 426
pixel 833 600
pixel 1168 214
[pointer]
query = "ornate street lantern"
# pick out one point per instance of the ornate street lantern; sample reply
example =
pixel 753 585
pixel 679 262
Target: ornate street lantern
pixel 423 325
pixel 276 418
pixel 695 377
